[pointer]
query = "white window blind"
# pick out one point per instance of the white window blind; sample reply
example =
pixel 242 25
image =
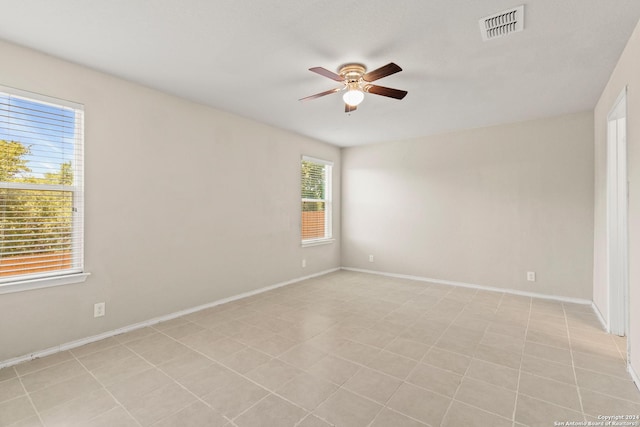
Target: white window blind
pixel 41 188
pixel 316 199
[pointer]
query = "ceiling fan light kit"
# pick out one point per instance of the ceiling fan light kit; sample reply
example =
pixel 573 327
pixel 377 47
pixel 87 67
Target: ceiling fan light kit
pixel 356 81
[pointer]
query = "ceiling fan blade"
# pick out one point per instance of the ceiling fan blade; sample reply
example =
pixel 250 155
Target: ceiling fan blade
pixel 318 95
pixel 326 73
pixel 381 72
pixel 349 108
pixel 386 91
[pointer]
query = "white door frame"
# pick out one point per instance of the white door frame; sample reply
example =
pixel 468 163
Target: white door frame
pixel 617 221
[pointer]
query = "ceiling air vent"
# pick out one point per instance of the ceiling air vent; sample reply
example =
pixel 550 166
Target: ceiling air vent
pixel 503 23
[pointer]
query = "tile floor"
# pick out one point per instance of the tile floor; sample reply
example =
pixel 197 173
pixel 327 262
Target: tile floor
pixel 345 349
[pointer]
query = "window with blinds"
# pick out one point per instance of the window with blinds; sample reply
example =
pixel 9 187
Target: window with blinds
pixel 41 191
pixel 316 200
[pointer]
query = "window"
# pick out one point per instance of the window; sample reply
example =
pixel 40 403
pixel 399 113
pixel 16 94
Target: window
pixel 316 200
pixel 41 192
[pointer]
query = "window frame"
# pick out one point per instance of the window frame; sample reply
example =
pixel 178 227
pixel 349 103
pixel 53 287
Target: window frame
pixel 327 200
pixel 76 273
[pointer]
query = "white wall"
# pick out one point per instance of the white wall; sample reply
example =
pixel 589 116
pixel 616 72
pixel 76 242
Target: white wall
pixel 185 205
pixel 626 73
pixel 482 206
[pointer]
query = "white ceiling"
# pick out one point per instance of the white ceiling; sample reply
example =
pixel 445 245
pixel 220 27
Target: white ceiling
pixel 251 57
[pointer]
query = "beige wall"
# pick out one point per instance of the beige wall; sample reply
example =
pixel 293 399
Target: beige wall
pixel 626 73
pixel 482 206
pixel 185 205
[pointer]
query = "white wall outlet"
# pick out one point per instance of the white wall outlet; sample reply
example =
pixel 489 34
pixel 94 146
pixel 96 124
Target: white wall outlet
pixel 98 309
pixel 370 258
pixel 531 276
pixel 304 263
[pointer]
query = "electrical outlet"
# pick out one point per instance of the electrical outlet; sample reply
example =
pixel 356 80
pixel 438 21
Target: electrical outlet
pixel 370 258
pixel 98 309
pixel 531 276
pixel 304 263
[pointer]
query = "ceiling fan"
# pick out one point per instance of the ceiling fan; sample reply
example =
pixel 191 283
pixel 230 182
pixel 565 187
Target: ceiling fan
pixel 356 81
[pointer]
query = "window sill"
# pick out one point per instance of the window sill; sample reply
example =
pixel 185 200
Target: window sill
pixel 317 242
pixel 44 282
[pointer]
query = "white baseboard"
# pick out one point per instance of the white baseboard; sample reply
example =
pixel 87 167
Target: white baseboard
pixel 634 375
pixel 604 324
pixel 78 343
pixel 473 286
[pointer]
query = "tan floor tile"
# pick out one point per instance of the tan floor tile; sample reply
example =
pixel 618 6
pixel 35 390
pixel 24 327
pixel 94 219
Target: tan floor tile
pixel 435 379
pixel 537 413
pixel 551 340
pixel 64 391
pixel 10 389
pixel 7 373
pixel 80 410
pixel 447 360
pixel 302 356
pixel 211 378
pixel 485 396
pixel 373 385
pixel 392 364
pixel 245 360
pixel 138 385
pixel 605 365
pixel 470 319
pixel 596 349
pixel 28 422
pixel 212 344
pixel 492 373
pixel 464 333
pixel 455 344
pixel 313 421
pixel 419 404
pixel 387 418
pixel 540 388
pixel 52 375
pixel 235 397
pixel 97 359
pixel 548 369
pixel 607 384
pixel 274 345
pixel 271 412
pixel 344 408
pixel 273 374
pixel 116 371
pixel 172 323
pixel 374 338
pixel 15 410
pixel 160 403
pixel 595 404
pixel 548 328
pixel 327 342
pixel 356 352
pixel 270 323
pixel 252 335
pixel 408 348
pixel 95 347
pixel 158 348
pixel 515 331
pixel 428 335
pixel 334 369
pixel 498 356
pixel 307 391
pixel 183 330
pixel 43 362
pixel 504 342
pixel 460 414
pixel 185 364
